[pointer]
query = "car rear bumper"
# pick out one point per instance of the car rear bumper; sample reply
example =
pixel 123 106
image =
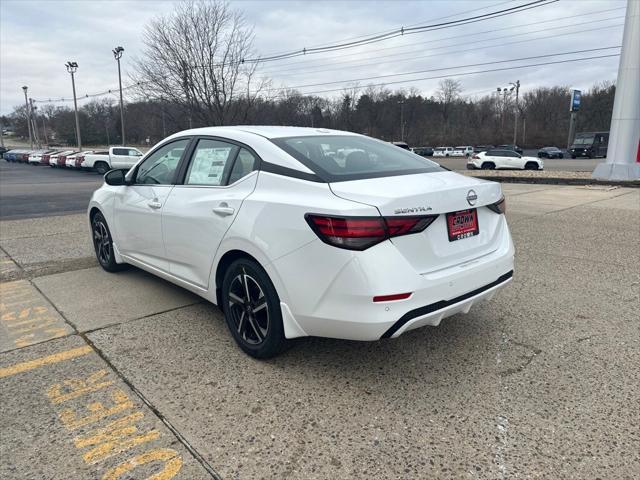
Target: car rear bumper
pixel 339 303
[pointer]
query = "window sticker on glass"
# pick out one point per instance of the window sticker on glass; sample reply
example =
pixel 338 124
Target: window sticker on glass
pixel 209 162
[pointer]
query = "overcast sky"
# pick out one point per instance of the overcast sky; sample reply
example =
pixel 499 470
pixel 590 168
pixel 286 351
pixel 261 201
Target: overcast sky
pixel 38 37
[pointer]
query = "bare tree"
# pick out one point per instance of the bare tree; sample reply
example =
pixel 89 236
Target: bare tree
pixel 447 94
pixel 195 57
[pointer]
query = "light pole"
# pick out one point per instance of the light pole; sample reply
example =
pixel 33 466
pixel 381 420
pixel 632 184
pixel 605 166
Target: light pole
pixel 72 67
pixel 34 123
pixel 26 105
pixel 117 53
pixel 507 91
pixel 401 103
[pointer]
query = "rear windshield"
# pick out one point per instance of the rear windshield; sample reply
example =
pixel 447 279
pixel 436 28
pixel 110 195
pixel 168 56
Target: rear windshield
pixel 344 157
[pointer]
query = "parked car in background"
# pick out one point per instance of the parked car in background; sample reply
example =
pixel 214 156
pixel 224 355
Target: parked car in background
pixel 589 144
pixel 423 151
pixel 442 151
pixel 18 155
pixel 114 158
pixel 10 155
pixel 550 152
pixel 36 157
pixel 503 159
pixel 53 158
pixel 402 145
pixel 462 151
pixel 62 158
pixel 3 150
pixel 44 160
pixel 482 148
pixel 75 159
pixel 396 238
pixel 515 148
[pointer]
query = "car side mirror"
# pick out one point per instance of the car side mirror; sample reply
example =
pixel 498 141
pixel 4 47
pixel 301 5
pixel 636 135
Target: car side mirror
pixel 115 178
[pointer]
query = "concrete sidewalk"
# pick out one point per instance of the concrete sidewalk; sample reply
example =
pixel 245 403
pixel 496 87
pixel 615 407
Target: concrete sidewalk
pixel 540 382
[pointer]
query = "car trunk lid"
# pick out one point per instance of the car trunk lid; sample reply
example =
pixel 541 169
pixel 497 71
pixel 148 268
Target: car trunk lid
pixel 429 194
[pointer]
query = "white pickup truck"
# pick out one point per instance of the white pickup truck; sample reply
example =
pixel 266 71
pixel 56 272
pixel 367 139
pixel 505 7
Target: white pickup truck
pixel 115 158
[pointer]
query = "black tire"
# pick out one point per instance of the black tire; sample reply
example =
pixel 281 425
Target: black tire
pixel 488 166
pixel 531 166
pixel 573 156
pixel 101 167
pixel 103 244
pixel 251 309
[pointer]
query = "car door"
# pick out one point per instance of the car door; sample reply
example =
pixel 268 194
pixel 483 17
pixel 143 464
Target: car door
pixel 513 159
pixel 138 207
pixel 201 208
pixel 124 158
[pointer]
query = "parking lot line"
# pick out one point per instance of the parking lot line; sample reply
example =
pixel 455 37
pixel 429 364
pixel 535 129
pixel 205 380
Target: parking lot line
pixel 41 362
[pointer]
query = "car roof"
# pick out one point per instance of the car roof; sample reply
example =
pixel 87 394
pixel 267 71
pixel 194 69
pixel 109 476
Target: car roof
pixel 266 131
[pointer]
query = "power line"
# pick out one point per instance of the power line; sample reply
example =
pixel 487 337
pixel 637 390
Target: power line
pixel 429 42
pixel 321 68
pixel 414 24
pixel 352 80
pixel 401 32
pixel 461 74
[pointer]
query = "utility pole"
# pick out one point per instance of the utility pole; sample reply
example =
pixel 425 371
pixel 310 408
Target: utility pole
pixel 26 105
pixel 623 155
pixel 72 68
pixel 117 53
pixel 401 103
pixel 34 123
pixel 515 122
pixel 44 130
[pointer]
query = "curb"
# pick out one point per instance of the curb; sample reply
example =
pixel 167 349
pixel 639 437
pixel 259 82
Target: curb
pixel 560 181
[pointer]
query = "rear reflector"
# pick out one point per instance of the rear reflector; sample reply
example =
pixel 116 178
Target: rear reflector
pixel 391 298
pixel 499 207
pixel 360 233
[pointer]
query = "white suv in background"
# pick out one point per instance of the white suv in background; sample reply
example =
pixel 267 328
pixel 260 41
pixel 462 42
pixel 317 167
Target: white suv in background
pixel 292 241
pixel 503 159
pixel 443 152
pixel 462 151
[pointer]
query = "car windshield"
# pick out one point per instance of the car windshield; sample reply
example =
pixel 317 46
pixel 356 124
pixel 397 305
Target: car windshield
pixel 584 140
pixel 345 157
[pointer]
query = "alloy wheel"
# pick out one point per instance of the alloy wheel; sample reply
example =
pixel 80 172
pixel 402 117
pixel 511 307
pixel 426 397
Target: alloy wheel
pixel 102 242
pixel 248 308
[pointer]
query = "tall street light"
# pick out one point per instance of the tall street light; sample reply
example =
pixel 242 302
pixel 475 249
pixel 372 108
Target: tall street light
pixel 72 67
pixel 26 104
pixel 117 53
pixel 507 91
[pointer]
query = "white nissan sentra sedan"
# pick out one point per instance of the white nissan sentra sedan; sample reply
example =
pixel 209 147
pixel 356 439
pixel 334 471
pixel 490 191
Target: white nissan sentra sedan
pixel 297 231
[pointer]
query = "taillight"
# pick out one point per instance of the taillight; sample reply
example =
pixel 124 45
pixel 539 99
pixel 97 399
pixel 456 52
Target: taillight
pixel 79 161
pixel 360 233
pixel 475 157
pixel 499 207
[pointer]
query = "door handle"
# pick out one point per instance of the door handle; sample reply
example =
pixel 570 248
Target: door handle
pixel 223 210
pixel 155 204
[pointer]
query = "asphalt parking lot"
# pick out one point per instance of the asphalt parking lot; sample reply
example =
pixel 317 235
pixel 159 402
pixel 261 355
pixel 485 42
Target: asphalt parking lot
pixel 37 191
pixel 28 191
pixel 124 375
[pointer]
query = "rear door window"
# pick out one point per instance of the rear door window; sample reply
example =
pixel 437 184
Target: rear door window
pixel 211 162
